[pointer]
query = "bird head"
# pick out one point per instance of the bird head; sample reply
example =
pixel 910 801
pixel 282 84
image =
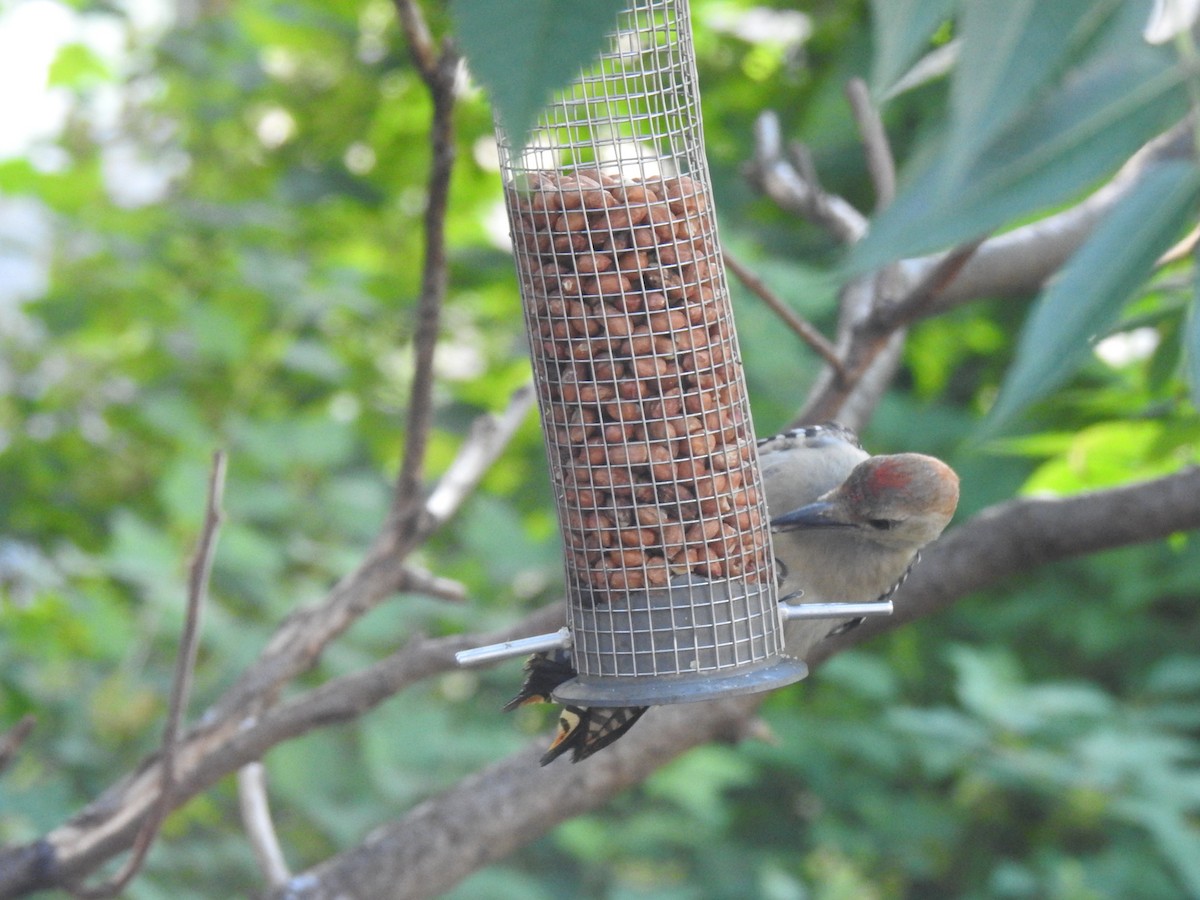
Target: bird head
pixel 902 500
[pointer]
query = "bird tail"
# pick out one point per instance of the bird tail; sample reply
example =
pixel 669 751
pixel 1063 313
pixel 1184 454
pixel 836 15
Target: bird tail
pixel 583 730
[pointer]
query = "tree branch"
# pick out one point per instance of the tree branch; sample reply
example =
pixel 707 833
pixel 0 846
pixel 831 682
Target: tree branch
pixel 205 755
pixel 241 726
pixel 1020 535
pixel 880 162
pixel 875 309
pixel 1006 540
pixel 490 814
pixel 439 74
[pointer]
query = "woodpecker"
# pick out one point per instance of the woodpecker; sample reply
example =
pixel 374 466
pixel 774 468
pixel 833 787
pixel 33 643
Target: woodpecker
pixel 848 527
pixel 859 539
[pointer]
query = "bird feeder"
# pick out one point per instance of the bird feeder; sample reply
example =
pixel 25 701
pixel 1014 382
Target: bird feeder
pixel 670 577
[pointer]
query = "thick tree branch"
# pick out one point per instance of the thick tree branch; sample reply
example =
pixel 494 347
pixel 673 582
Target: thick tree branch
pixel 876 309
pixel 205 755
pixel 493 812
pixel 1019 535
pixel 509 804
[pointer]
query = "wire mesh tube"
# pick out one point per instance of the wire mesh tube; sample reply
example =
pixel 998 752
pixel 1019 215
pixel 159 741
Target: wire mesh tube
pixel 671 590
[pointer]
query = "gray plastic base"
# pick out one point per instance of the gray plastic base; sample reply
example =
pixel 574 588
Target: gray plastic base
pixel 656 690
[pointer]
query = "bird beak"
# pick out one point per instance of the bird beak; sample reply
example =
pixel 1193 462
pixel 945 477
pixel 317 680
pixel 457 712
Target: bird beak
pixel 820 514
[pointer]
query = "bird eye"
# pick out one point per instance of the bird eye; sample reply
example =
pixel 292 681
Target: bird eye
pixel 881 524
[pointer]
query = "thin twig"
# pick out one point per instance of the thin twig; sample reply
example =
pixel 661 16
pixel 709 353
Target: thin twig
pixel 185 666
pixel 419 581
pixel 880 161
pixel 439 72
pixel 805 329
pixel 256 819
pixel 11 742
pixel 420 42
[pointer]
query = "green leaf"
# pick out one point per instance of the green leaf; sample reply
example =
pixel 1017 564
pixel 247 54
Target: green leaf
pixel 1010 52
pixel 1104 455
pixel 900 29
pixel 1076 135
pixel 76 65
pixel 1088 294
pixel 522 51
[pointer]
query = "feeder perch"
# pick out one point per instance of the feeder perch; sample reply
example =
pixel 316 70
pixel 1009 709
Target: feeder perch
pixel 670 578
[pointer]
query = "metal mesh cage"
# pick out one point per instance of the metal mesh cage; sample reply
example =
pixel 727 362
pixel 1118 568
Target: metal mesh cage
pixel 643 401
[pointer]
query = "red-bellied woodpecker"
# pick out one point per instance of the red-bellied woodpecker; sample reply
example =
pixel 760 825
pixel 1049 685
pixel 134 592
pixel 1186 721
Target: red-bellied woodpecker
pixel 855 524
pixel 847 527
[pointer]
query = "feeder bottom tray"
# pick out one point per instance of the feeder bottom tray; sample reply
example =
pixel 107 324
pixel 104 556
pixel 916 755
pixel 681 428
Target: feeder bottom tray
pixel 656 690
pixel 697 640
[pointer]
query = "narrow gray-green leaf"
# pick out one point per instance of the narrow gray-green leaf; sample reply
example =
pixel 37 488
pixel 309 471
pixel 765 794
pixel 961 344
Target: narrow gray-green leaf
pixel 900 30
pixel 1011 51
pixel 1088 294
pixel 522 51
pixel 1075 136
pixel 1191 344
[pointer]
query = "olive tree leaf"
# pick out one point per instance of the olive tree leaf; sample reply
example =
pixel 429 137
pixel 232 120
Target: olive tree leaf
pixel 1088 294
pixel 1011 52
pixel 900 29
pixel 1075 135
pixel 522 51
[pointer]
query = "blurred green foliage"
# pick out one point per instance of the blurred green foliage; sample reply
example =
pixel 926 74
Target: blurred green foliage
pixel 1040 740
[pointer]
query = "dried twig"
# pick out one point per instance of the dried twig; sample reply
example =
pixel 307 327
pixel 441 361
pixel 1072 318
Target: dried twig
pixel 181 686
pixel 256 819
pixel 438 70
pixel 805 329
pixel 12 740
pixel 792 186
